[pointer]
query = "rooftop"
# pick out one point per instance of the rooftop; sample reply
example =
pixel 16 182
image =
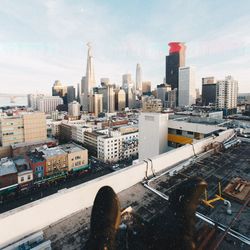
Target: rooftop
pixel 21 164
pixel 71 148
pixel 35 156
pixel 25 144
pixel 7 166
pixel 194 127
pixel 149 210
pixel 50 152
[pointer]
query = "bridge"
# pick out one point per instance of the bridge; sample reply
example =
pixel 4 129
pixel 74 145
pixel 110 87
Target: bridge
pixel 12 97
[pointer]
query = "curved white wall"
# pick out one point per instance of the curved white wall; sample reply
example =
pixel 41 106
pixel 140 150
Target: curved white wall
pixel 32 217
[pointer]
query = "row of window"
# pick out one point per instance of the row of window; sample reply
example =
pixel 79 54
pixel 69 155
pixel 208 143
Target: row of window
pixel 10 133
pixel 28 177
pixel 76 158
pixel 56 162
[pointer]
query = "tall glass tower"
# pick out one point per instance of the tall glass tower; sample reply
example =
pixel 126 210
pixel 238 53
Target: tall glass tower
pixel 174 61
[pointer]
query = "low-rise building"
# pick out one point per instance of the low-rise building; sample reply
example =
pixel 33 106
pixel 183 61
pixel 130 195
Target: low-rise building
pixel 20 149
pixel 74 109
pixel 27 127
pixel 78 132
pixel 183 132
pixel 56 160
pixel 90 141
pixel 118 145
pixel 150 104
pixel 55 128
pixel 65 129
pixel 37 163
pixel 77 156
pixel 8 173
pixel 48 104
pixel 24 172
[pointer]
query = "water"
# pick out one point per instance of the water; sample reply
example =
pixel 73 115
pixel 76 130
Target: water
pixel 18 101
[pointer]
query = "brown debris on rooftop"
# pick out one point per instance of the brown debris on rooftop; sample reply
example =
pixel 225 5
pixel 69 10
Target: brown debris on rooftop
pixel 238 189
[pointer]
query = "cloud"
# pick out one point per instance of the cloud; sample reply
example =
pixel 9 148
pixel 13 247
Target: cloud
pixel 46 40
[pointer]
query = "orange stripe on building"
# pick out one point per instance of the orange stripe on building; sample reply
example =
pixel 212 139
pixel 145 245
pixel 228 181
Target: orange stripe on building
pixel 179 139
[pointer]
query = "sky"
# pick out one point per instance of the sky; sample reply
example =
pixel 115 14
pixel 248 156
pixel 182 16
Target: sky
pixel 45 40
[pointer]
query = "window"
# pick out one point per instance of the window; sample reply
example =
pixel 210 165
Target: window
pixel 190 133
pixel 178 132
pixel 22 178
pixel 29 177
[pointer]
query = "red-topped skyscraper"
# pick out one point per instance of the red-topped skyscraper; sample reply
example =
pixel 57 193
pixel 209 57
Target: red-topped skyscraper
pixel 174 60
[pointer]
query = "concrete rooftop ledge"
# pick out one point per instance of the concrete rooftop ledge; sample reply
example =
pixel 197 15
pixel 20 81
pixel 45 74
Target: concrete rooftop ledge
pixel 35 216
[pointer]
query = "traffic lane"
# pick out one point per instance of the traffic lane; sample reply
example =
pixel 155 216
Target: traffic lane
pixel 44 191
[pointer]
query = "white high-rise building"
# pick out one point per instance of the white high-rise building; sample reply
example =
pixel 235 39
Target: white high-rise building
pixel 118 145
pixel 153 134
pixel 138 78
pixel 186 92
pixel 74 108
pixel 226 93
pixel 47 104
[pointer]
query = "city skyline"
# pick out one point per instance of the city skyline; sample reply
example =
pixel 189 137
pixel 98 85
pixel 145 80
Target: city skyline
pixel 50 43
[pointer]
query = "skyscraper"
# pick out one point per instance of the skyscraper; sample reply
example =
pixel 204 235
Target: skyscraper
pixel 208 91
pixel 207 80
pixel 121 100
pixel 138 78
pixel 186 92
pixel 60 90
pixel 126 80
pixel 78 92
pixel 111 99
pixel 96 103
pixel 226 95
pixel 88 82
pixel 82 84
pixel 162 91
pixel 146 87
pixel 90 77
pixel 71 94
pixel 171 99
pixel 174 60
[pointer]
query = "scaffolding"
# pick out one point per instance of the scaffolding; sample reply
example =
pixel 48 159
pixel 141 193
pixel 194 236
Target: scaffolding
pixel 217 197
